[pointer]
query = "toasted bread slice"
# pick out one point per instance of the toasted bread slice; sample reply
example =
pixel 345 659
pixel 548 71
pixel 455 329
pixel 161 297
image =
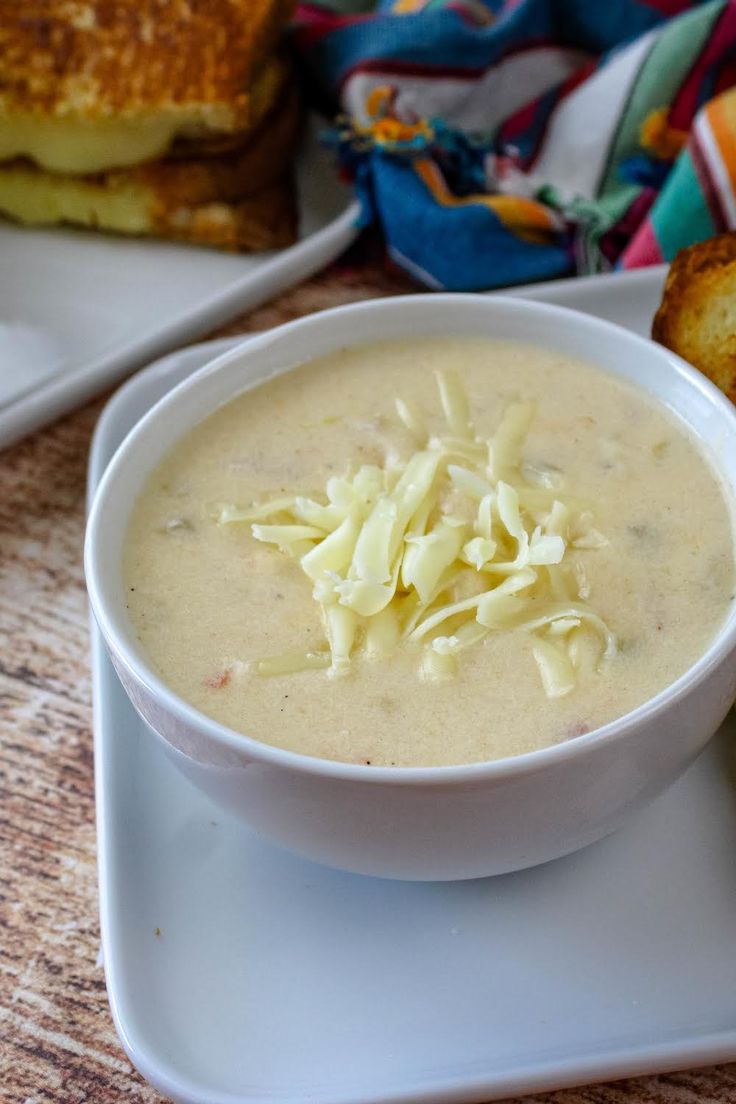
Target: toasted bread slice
pixel 266 219
pixel 172 198
pixel 88 85
pixel 697 316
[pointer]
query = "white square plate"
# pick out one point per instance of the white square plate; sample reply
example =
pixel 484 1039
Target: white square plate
pixel 238 973
pixel 80 310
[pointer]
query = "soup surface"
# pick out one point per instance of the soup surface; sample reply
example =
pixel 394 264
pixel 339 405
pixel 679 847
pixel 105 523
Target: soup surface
pixel 207 600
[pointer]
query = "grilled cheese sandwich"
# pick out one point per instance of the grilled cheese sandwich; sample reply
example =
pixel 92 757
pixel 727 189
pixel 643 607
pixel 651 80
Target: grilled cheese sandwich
pixel 162 198
pixel 163 118
pixel 87 85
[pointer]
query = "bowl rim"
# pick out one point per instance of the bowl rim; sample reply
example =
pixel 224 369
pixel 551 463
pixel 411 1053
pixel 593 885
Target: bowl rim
pixel 480 772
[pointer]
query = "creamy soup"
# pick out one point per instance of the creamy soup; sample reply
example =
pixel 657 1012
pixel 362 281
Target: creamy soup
pixel 646 546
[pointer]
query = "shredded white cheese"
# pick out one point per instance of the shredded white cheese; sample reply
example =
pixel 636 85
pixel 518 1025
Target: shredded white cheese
pixel 464 539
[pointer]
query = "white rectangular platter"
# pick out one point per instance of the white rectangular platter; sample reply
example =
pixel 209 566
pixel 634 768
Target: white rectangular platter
pixel 239 974
pixel 78 311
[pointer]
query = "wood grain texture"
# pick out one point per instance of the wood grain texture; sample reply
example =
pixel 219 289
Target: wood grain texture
pixel 57 1041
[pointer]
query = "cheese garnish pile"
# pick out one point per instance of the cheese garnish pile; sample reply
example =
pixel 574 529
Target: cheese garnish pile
pixel 461 540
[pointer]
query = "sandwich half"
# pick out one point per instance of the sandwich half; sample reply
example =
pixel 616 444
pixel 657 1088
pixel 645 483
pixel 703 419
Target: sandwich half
pixel 90 85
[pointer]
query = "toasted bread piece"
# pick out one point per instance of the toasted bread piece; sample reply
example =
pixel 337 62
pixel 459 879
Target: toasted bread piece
pixel 267 219
pixel 164 198
pixel 87 85
pixel 697 316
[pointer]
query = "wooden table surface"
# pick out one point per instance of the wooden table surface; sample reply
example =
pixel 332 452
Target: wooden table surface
pixel 57 1042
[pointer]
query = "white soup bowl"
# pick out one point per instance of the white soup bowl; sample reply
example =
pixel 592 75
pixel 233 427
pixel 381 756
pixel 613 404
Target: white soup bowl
pixel 425 823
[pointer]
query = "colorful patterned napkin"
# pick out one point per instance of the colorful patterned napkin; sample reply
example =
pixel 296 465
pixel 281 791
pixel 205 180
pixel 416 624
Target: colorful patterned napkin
pixel 505 141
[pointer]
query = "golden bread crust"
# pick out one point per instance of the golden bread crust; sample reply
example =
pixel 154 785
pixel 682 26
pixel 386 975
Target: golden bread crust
pixel 91 59
pixel 697 315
